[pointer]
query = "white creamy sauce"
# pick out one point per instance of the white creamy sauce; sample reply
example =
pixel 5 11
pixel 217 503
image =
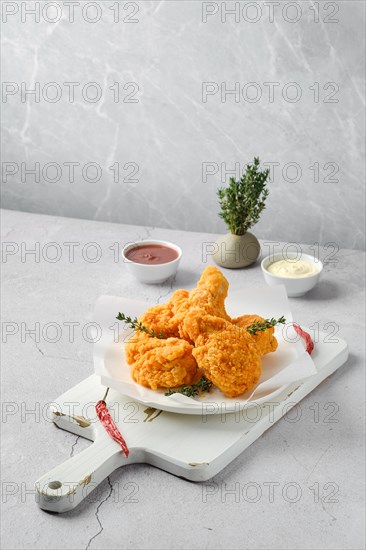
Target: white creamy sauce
pixel 292 269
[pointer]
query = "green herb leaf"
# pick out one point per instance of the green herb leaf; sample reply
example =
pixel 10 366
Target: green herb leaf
pixel 137 325
pixel 261 326
pixel 203 385
pixel 242 201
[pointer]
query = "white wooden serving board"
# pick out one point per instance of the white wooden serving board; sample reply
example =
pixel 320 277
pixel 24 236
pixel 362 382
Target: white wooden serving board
pixel 195 448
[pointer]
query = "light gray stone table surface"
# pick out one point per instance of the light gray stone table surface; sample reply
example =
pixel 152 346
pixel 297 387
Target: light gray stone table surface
pixel 315 462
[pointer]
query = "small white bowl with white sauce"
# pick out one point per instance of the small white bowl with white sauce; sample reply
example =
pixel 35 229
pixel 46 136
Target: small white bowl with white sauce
pixel 298 273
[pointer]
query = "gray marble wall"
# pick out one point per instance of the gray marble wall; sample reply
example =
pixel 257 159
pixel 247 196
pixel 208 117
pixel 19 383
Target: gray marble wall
pixel 139 109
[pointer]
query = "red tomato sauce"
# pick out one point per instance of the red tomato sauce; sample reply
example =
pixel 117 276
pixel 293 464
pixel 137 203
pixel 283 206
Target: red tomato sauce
pixel 151 254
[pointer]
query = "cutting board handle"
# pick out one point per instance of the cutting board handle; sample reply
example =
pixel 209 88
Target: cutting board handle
pixel 64 487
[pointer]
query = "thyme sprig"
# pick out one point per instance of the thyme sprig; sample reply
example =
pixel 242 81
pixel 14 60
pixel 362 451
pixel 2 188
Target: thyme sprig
pixel 203 385
pixel 137 325
pixel 261 326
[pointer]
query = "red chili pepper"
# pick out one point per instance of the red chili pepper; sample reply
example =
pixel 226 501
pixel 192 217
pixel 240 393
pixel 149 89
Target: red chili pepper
pixel 110 426
pixel 306 337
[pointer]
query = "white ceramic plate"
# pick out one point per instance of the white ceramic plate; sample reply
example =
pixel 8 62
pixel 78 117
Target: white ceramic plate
pixel 288 364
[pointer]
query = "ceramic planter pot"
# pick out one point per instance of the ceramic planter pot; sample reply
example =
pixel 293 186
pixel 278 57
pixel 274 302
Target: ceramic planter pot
pixel 235 251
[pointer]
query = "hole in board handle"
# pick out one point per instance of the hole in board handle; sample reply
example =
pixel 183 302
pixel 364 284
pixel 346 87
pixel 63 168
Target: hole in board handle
pixel 55 485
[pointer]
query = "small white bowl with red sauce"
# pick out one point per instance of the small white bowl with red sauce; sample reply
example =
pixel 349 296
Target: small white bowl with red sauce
pixel 152 261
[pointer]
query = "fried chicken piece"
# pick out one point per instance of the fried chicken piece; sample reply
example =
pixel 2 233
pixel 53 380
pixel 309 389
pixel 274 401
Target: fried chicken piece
pixel 209 296
pixel 212 289
pixel 198 324
pixel 161 363
pixel 159 319
pixel 207 299
pixel 136 346
pixel 266 340
pixel 162 317
pixel 179 306
pixel 226 353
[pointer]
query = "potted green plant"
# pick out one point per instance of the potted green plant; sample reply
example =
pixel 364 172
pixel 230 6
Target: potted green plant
pixel 241 204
